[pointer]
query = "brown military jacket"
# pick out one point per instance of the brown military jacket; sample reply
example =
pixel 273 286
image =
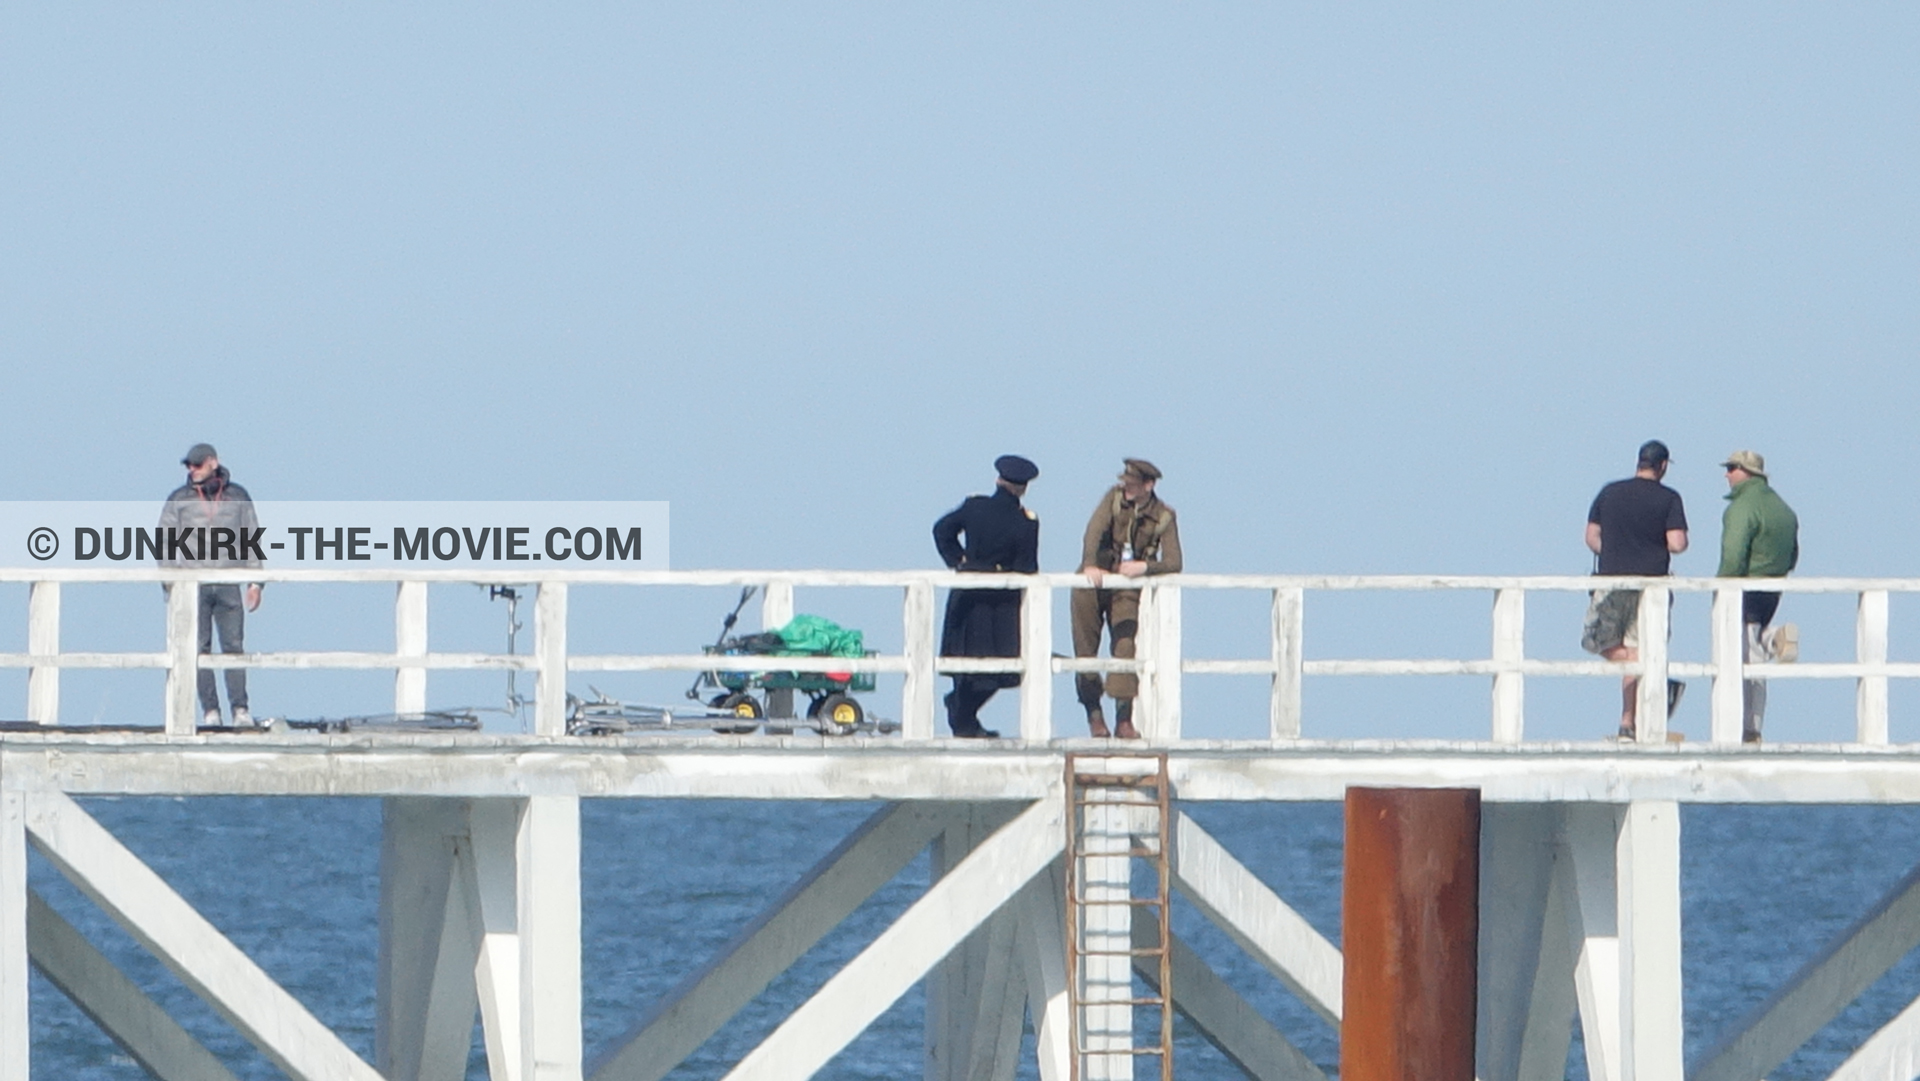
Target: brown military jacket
pixel 1151 528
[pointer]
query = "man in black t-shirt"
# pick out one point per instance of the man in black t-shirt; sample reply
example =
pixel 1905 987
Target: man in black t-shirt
pixel 1635 526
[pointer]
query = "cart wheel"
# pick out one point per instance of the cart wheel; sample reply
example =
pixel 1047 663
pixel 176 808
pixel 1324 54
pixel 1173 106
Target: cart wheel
pixel 743 706
pixel 838 714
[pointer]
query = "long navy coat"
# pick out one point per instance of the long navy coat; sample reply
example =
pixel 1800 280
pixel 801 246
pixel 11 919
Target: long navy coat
pixel 987 534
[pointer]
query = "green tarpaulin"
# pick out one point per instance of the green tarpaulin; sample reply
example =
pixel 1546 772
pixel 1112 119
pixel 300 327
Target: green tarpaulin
pixel 820 637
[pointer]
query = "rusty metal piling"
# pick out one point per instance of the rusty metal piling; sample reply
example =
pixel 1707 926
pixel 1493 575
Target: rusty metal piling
pixel 1410 934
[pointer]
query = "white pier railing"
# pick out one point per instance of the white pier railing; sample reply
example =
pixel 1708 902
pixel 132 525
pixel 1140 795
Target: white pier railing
pixel 1161 661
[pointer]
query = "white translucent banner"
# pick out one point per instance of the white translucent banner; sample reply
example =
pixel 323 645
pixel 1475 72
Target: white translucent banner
pixel 625 535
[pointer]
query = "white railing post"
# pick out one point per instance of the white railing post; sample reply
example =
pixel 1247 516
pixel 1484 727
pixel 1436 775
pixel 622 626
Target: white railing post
pixel 43 640
pixel 776 611
pixel 1283 711
pixel 410 640
pixel 1036 662
pixel 1160 662
pixel 1509 649
pixel 1870 647
pixel 1650 714
pixel 183 657
pixel 1729 665
pixel 917 696
pixel 550 653
pixel 776 606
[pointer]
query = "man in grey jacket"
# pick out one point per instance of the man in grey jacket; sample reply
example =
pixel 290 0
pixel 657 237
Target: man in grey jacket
pixel 211 501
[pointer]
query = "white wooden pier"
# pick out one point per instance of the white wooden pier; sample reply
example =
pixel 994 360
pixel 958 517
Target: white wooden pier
pixel 480 898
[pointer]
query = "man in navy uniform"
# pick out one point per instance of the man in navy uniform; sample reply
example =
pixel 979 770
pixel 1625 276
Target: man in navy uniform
pixel 1000 536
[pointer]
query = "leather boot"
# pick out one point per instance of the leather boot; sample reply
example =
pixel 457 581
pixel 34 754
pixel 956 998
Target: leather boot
pixel 1097 724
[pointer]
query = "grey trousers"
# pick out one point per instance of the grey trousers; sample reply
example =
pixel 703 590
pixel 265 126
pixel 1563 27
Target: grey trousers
pixel 1757 611
pixel 221 606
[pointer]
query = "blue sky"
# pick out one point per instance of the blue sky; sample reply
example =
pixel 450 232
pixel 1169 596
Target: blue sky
pixel 1382 289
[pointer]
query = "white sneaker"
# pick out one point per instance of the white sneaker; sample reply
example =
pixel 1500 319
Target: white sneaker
pixel 210 719
pixel 1783 642
pixel 241 718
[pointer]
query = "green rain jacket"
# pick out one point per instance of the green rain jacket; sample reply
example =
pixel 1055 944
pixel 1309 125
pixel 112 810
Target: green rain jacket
pixel 1759 534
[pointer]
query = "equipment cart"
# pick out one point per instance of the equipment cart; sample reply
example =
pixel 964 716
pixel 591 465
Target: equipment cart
pixel 739 702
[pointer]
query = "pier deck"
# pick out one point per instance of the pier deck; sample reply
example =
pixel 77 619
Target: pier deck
pixel 887 768
pixel 480 876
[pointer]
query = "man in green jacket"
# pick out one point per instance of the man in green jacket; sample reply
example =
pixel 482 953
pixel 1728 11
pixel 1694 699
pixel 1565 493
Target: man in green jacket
pixel 1759 538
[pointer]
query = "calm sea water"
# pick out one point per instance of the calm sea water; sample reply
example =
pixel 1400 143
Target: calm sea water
pixel 292 881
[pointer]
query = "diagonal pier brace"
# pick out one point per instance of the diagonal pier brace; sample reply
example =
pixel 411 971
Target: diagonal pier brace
pixel 182 939
pixel 147 1033
pixel 929 929
pixel 827 894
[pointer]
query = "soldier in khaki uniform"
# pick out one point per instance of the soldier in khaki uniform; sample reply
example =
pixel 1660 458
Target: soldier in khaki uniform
pixel 1132 533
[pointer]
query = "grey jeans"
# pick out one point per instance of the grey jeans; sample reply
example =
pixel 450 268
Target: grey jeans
pixel 221 606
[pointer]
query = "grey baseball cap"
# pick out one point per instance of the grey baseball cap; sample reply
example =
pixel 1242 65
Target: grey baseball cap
pixel 200 453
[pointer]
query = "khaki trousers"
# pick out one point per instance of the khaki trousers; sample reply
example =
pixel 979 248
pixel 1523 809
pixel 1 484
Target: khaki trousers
pixel 1118 611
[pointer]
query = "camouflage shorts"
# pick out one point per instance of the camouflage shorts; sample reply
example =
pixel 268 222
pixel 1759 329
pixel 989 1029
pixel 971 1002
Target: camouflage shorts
pixel 1613 620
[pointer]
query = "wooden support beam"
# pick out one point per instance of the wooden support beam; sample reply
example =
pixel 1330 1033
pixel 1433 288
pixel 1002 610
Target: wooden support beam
pixel 902 954
pixel 423 1024
pixel 1651 1035
pixel 1409 932
pixel 16 1030
pixel 1041 909
pixel 1256 919
pixel 819 901
pixel 976 1004
pixel 548 879
pixel 976 998
pixel 1227 1020
pixel 1890 1054
pixel 142 1029
pixel 1526 950
pixel 193 949
pixel 1816 994
pixel 1592 832
pixel 490 881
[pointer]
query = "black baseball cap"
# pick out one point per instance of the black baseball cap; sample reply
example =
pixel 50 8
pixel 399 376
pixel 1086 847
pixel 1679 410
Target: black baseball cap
pixel 1653 452
pixel 200 453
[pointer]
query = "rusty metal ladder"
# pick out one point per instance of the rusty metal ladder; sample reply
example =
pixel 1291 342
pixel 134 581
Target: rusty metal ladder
pixel 1119 815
